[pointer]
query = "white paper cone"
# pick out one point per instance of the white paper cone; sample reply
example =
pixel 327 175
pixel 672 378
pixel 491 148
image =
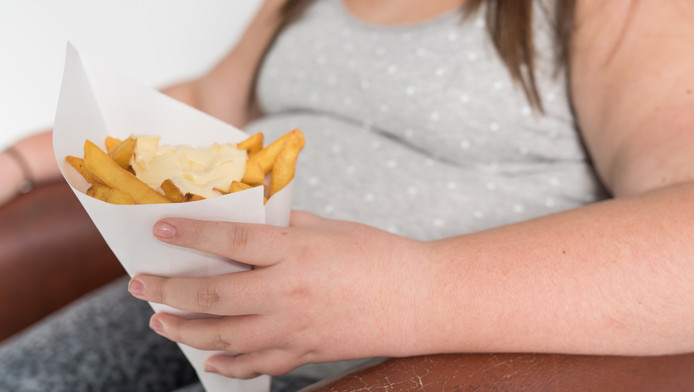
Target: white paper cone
pixel 96 102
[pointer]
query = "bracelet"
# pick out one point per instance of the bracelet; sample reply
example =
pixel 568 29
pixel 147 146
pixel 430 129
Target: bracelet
pixel 27 184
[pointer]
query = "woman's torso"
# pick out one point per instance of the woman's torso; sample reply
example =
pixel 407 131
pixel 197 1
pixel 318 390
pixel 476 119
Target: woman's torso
pixel 419 129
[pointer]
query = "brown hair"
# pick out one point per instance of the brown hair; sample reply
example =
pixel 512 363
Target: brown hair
pixel 510 24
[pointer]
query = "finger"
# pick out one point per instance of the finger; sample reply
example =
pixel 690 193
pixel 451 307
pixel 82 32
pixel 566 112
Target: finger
pixel 255 244
pixel 234 335
pixel 244 366
pixel 233 294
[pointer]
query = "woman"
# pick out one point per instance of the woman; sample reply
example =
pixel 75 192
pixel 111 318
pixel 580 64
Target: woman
pixel 482 224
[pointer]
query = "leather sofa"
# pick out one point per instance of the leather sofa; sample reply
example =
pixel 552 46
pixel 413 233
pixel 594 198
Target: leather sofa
pixel 42 268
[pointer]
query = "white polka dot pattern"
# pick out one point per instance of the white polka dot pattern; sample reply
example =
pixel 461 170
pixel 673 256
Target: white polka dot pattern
pixel 419 129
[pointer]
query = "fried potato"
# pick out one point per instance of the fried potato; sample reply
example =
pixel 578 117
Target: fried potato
pixel 192 197
pixel 109 195
pixel 113 175
pixel 112 179
pixel 123 152
pixel 111 142
pixel 267 156
pixel 118 197
pixel 99 191
pixel 237 186
pixel 285 164
pixel 172 192
pixel 254 174
pixel 252 145
pixel 78 164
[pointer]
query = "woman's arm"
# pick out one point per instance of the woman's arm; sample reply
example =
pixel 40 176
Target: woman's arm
pixel 224 92
pixel 614 277
pixel 611 278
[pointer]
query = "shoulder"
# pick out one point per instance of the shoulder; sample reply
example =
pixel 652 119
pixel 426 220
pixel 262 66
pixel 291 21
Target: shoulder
pixel 604 29
pixel 631 73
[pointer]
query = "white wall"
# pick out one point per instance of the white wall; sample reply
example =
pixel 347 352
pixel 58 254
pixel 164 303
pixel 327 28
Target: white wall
pixel 155 42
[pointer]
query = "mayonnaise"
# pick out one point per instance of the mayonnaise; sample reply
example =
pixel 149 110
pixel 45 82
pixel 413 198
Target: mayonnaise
pixel 198 170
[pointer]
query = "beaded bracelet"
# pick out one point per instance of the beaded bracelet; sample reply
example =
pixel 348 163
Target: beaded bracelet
pixel 27 184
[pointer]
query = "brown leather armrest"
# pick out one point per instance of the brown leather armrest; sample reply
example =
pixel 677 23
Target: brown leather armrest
pixel 50 254
pixel 519 373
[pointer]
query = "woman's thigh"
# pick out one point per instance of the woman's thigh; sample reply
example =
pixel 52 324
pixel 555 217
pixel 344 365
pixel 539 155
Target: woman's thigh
pixel 100 343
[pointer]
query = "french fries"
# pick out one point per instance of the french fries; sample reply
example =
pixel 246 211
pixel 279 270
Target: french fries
pixel 261 163
pixel 267 156
pixel 112 179
pixel 111 142
pixel 116 177
pixel 192 197
pixel 123 152
pixel 284 165
pixel 109 195
pixel 172 192
pixel 78 164
pixel 238 186
pixel 254 175
pixel 252 145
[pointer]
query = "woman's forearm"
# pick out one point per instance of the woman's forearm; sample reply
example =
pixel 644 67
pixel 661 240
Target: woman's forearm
pixel 30 160
pixel 614 278
pixel 37 150
pixel 610 278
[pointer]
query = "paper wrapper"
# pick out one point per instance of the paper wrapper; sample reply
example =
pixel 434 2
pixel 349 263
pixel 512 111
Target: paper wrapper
pixel 96 102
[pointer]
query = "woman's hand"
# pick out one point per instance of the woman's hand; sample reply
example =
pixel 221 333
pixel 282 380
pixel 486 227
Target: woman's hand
pixel 321 290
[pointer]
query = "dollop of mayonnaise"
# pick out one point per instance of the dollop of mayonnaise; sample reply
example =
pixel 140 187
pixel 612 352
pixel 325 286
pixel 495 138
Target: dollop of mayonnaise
pixel 202 171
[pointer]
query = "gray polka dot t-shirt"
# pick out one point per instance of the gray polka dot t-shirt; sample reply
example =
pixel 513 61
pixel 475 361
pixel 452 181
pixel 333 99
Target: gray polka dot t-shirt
pixel 419 129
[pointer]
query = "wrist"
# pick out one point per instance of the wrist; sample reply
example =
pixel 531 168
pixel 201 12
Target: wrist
pixel 16 170
pixel 37 154
pixel 11 176
pixel 420 303
pixel 450 314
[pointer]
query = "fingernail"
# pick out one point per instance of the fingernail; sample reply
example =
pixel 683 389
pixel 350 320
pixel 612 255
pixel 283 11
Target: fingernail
pixel 164 230
pixel 210 369
pixel 135 287
pixel 156 325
